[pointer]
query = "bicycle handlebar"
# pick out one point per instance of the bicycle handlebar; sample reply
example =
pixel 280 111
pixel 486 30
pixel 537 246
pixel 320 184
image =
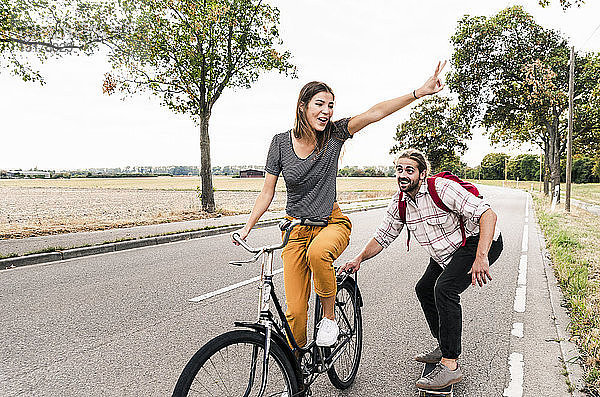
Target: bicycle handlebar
pixel 240 241
pixel 285 225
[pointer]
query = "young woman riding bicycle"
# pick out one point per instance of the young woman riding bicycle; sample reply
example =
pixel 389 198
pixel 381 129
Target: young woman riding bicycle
pixel 307 156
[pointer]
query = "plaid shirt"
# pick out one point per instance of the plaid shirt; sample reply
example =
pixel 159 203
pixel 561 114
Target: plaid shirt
pixel 436 230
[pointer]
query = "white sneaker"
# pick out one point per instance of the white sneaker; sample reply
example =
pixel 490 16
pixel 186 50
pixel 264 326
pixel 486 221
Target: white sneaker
pixel 327 333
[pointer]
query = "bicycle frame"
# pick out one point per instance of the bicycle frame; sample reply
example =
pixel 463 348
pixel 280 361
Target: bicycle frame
pixel 273 333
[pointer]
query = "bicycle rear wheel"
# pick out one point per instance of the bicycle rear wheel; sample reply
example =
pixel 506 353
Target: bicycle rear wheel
pixel 232 365
pixel 349 319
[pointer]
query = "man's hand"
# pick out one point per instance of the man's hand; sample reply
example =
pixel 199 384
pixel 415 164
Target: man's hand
pixel 480 270
pixel 350 266
pixel 434 84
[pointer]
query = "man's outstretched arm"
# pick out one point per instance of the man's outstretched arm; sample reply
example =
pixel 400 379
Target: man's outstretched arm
pixel 370 250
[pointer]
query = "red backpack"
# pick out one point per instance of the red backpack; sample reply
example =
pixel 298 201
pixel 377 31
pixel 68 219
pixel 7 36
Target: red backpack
pixel 436 199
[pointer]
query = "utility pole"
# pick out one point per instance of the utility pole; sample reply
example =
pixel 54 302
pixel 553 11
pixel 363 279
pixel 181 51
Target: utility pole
pixel 541 170
pixel 505 170
pixel 570 136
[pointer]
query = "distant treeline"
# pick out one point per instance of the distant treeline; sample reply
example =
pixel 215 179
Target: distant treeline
pixel 524 167
pixel 367 171
pixel 134 175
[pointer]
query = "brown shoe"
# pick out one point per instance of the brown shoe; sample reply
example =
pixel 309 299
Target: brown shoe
pixel 440 377
pixel 433 357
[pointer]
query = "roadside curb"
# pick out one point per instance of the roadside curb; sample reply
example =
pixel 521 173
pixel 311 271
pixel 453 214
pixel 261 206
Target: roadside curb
pixel 78 252
pixel 570 355
pixel 591 208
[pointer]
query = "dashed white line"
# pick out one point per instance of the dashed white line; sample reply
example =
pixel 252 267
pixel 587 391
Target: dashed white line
pixel 520 298
pixel 525 238
pixel 230 288
pixel 517 330
pixel 515 387
pixel 522 280
pixel 515 361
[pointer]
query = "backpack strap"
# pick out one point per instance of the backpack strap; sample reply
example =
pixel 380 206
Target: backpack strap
pixel 438 201
pixel 434 194
pixel 402 214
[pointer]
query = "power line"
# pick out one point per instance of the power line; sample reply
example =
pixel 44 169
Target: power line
pixel 593 33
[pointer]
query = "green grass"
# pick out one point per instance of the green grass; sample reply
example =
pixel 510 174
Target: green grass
pixel 574 244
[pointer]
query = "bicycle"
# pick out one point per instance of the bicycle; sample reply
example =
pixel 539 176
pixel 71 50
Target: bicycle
pixel 256 359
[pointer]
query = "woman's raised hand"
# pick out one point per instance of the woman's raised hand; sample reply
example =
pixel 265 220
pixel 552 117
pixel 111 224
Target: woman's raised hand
pixel 434 84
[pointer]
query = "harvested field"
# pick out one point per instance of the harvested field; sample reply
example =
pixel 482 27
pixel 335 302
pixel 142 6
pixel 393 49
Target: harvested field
pixel 26 212
pixel 28 208
pixel 191 183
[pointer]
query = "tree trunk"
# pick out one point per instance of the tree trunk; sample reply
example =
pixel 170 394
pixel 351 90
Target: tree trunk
pixel 545 169
pixel 208 196
pixel 555 174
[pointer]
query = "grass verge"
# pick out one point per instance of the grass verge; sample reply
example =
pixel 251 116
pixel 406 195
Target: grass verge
pixel 574 244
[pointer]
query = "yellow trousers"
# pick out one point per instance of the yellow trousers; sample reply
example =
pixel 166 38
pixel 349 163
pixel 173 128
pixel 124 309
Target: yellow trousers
pixel 312 249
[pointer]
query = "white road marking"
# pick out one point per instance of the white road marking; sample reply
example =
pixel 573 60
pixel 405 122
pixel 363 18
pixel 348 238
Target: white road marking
pixel 517 330
pixel 520 298
pixel 522 280
pixel 230 288
pixel 515 387
pixel 521 295
pixel 515 361
pixel 525 238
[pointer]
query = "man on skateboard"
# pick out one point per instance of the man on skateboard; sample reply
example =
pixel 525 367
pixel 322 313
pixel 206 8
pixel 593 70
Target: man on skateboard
pixel 457 229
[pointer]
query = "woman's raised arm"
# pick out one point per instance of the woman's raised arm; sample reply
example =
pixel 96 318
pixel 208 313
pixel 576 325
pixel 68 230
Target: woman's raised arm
pixel 383 109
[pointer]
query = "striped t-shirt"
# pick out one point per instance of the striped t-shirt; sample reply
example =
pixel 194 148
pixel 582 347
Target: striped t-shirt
pixel 310 182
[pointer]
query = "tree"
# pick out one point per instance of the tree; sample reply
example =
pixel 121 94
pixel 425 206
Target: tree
pixel 373 171
pixel 492 165
pixel 471 172
pixel 596 168
pixel 586 137
pixel 434 128
pixel 187 52
pixel 526 167
pixel 563 3
pixel 511 78
pixel 51 29
pixel 452 164
pixel 583 169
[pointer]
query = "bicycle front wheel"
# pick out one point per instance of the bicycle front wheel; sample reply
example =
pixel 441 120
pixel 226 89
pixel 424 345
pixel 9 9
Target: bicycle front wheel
pixel 348 317
pixel 232 365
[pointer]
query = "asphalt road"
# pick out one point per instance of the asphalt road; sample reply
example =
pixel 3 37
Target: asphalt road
pixel 120 324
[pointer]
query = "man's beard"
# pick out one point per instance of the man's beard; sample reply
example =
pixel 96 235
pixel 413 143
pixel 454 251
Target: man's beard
pixel 412 185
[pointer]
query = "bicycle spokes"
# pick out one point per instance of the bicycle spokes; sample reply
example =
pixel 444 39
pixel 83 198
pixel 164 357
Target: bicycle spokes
pixel 239 370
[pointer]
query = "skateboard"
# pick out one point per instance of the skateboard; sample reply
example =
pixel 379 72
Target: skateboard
pixel 446 391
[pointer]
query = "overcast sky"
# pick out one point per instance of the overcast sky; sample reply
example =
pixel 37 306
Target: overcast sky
pixel 366 51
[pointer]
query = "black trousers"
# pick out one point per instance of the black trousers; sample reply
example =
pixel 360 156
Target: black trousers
pixel 439 292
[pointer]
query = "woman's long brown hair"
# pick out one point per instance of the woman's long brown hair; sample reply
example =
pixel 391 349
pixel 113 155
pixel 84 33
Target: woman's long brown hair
pixel 301 127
